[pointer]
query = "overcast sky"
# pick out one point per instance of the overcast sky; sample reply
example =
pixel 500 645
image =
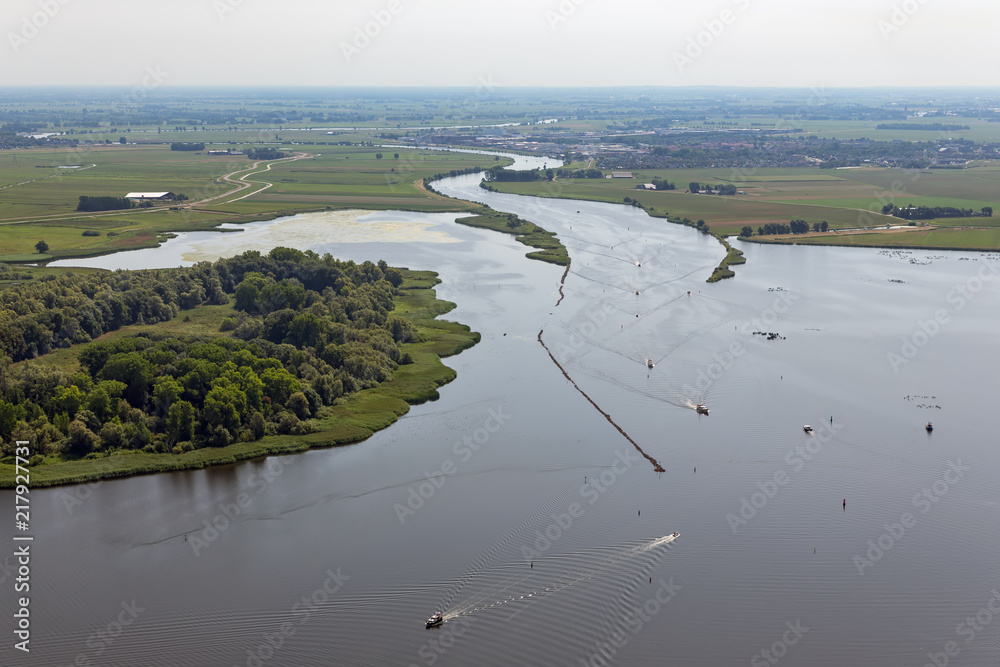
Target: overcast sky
pixel 506 42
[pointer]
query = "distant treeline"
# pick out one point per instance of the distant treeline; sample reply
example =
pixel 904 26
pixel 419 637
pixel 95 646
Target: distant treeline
pixel 449 174
pixel 912 212
pixel 104 203
pixel 725 189
pixel 933 127
pixel 579 173
pixel 793 227
pixel 502 175
pixel 306 330
pixel 663 184
pixel 185 146
pixel 265 154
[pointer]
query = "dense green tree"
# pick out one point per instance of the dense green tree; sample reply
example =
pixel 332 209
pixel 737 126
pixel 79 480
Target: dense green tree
pixel 133 370
pixel 225 406
pixel 309 330
pixel 68 399
pixel 112 435
pixel 81 440
pixel 279 385
pixel 299 405
pixel 10 415
pixel 166 390
pixel 180 422
pixel 305 330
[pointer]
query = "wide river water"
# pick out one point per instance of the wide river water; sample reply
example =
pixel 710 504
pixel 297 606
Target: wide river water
pixel 518 507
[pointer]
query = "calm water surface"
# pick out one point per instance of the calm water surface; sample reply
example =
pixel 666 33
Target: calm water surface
pixel 476 504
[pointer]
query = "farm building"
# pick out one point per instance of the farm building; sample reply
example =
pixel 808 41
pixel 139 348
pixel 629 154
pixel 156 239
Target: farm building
pixel 150 196
pixel 621 174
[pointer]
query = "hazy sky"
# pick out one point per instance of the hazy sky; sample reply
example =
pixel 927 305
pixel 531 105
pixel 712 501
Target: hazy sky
pixel 507 43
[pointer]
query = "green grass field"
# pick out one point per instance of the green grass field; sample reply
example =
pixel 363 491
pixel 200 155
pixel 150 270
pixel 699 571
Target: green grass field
pixel 941 238
pixel 979 130
pixel 38 199
pixel 845 198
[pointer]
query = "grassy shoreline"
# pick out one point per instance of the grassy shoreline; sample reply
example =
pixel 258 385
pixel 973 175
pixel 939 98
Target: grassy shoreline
pixel 350 420
pixel 551 248
pixel 884 240
pixel 733 256
pixel 844 199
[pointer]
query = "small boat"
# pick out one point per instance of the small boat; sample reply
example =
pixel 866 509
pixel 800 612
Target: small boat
pixel 649 363
pixel 436 619
pixel 929 427
pixel 701 409
pixel 807 428
pixel 677 534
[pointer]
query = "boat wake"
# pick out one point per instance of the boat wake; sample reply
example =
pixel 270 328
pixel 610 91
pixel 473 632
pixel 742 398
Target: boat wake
pixel 522 589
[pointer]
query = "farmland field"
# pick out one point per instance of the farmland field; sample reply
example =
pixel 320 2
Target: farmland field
pixel 845 198
pixel 38 194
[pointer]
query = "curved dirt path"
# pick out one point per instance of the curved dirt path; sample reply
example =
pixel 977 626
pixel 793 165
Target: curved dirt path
pixel 240 184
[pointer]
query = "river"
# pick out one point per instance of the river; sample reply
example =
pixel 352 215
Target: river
pixel 520 510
